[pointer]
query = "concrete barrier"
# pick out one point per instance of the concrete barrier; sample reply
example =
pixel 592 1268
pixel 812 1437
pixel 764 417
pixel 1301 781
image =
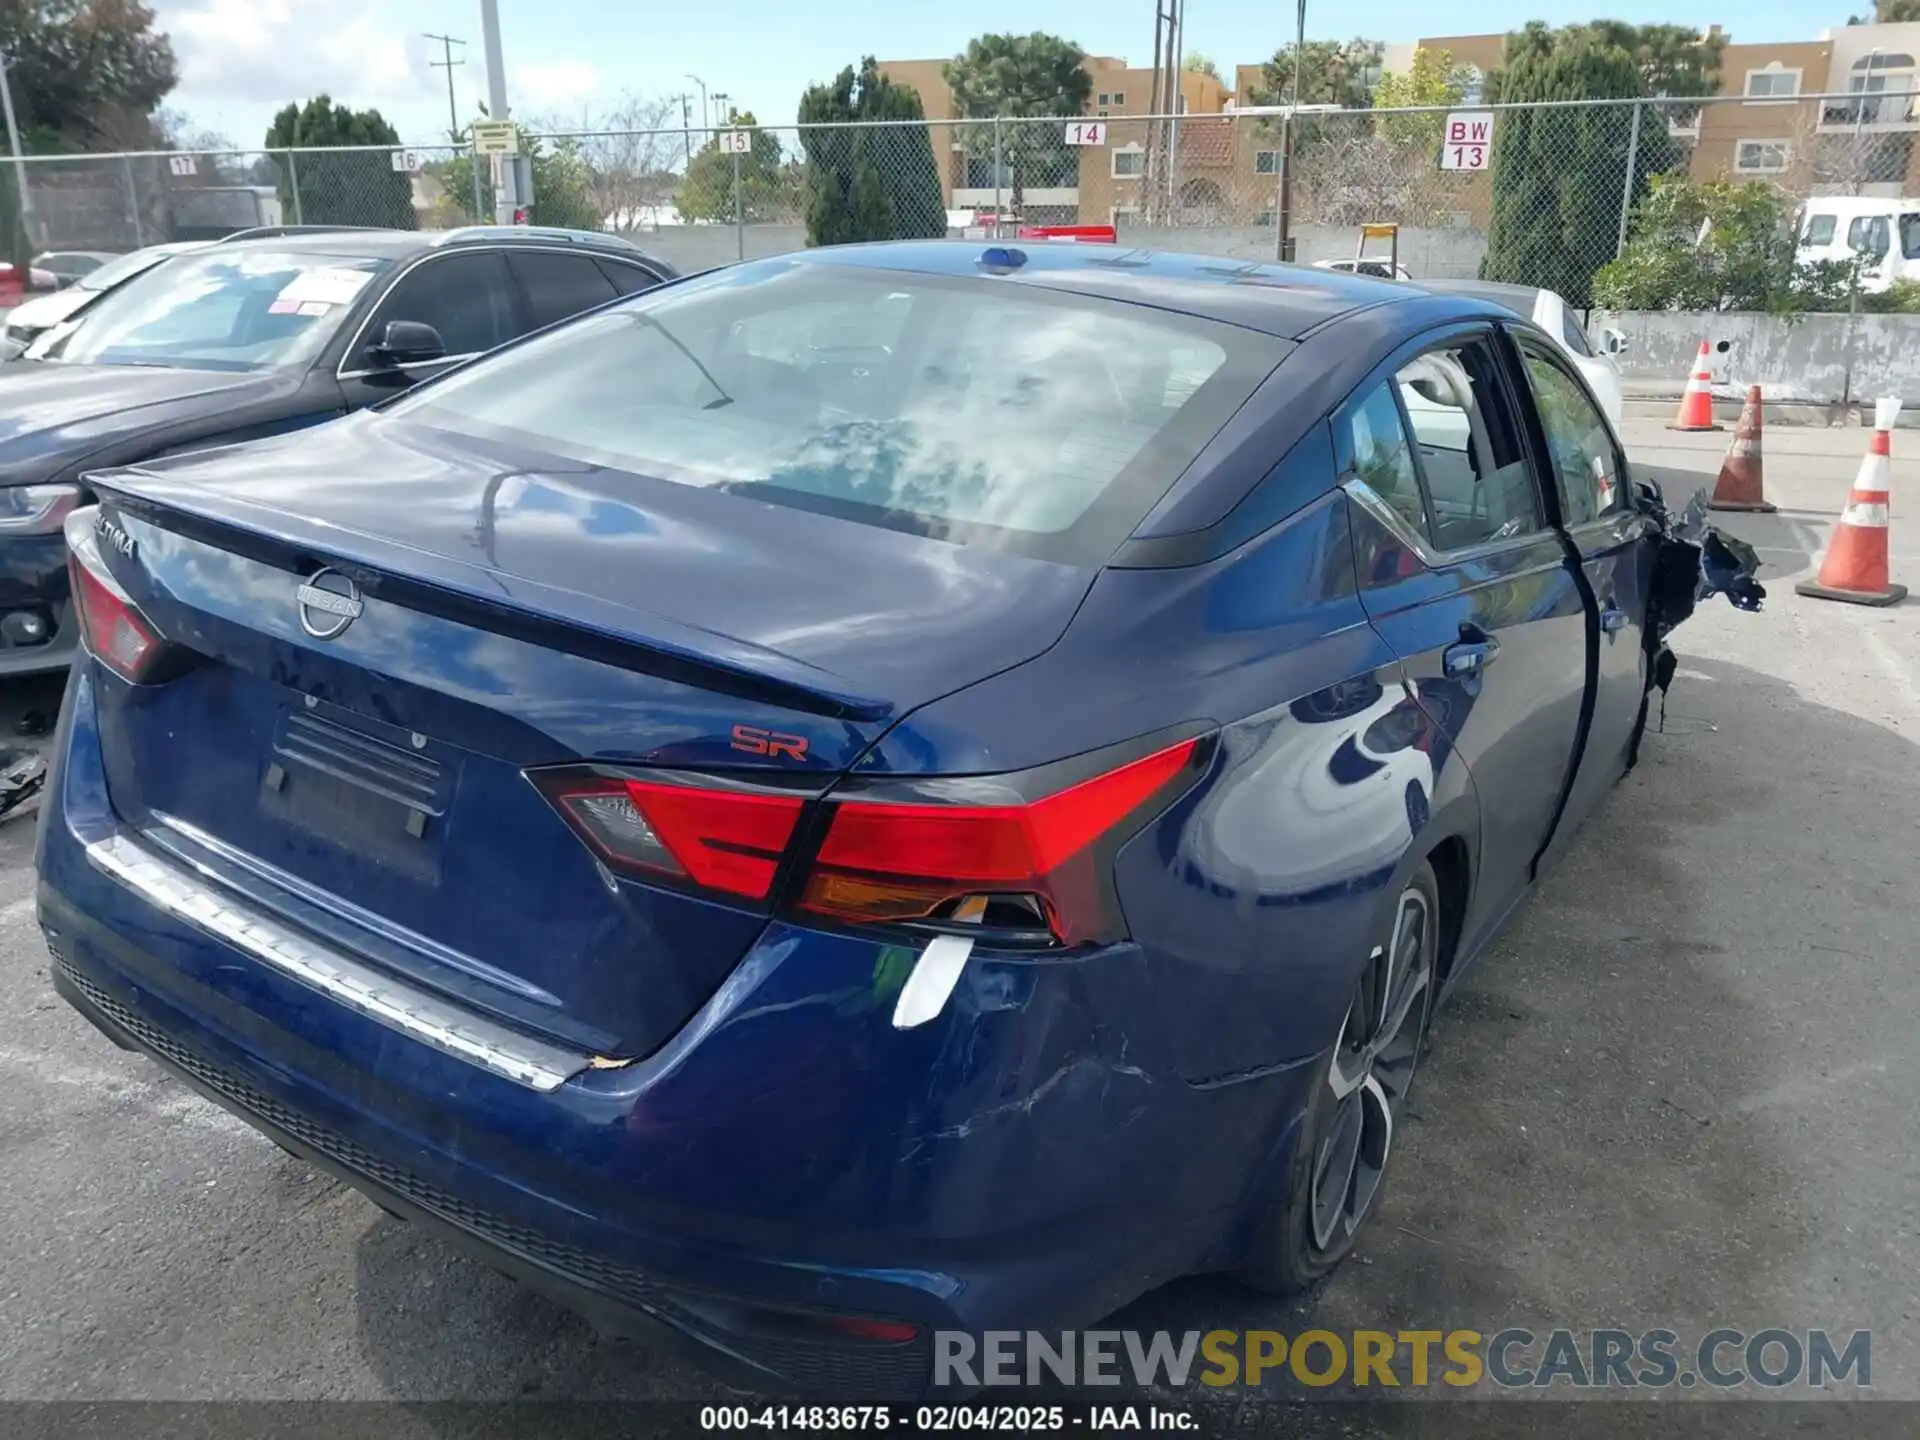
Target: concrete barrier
pixel 1809 360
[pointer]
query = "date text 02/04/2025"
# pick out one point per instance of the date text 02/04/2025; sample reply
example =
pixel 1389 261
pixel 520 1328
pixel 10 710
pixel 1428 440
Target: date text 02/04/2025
pixel 944 1419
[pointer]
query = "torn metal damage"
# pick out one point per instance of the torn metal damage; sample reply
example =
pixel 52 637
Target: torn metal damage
pixel 1695 560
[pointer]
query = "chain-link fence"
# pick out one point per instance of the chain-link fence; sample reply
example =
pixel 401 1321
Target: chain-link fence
pixel 1542 194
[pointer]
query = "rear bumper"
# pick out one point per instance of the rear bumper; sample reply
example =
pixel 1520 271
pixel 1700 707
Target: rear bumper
pixel 1023 1161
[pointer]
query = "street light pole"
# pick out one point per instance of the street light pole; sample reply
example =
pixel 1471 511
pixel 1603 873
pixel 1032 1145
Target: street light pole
pixel 19 165
pixel 1283 221
pixel 1859 118
pixel 706 120
pixel 686 124
pixel 506 195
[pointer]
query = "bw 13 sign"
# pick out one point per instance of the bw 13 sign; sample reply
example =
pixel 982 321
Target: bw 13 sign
pixel 1467 143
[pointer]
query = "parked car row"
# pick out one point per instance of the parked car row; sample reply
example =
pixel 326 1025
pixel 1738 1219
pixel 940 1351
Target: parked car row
pixel 893 789
pixel 271 331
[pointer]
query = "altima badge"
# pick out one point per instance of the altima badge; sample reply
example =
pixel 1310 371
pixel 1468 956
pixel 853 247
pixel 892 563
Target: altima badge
pixel 329 602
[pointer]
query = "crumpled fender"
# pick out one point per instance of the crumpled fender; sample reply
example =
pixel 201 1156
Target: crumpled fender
pixel 1695 560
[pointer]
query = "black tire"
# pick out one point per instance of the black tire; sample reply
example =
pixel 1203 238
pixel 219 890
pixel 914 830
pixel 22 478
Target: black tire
pixel 1318 1216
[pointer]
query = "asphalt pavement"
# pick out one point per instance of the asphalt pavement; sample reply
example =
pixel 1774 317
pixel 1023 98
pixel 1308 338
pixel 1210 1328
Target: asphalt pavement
pixel 1677 1093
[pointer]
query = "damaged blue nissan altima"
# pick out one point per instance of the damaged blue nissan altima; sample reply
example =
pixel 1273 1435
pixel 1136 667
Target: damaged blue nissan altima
pixel 900 788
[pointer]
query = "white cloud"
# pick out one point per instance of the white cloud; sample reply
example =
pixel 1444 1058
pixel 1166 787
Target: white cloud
pixel 551 84
pixel 268 52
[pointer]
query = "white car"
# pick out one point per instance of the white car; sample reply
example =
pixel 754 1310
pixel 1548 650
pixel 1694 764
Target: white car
pixel 26 322
pixel 1378 269
pixel 1553 315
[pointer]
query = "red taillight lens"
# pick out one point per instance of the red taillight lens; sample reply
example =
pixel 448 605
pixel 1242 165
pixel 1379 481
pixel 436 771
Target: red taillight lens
pixel 722 840
pixel 116 634
pixel 902 862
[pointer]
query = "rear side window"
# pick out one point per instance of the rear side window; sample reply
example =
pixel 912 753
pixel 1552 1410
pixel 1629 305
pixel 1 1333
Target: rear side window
pixel 1819 230
pixel 971 410
pixel 557 286
pixel 627 279
pixel 1910 235
pixel 1474 484
pixel 1586 463
pixel 1383 458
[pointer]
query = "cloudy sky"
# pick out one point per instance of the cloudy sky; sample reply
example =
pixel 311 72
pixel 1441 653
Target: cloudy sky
pixel 241 60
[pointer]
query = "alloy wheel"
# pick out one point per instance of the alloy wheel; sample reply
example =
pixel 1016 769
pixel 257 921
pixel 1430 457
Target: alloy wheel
pixel 1371 1073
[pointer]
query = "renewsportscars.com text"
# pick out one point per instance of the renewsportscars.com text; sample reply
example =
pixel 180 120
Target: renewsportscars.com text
pixel 1394 1359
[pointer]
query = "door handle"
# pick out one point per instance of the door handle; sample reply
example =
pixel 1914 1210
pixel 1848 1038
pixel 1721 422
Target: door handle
pixel 1469 657
pixel 1613 619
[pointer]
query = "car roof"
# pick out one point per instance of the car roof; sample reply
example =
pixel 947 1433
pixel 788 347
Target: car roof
pixel 375 243
pixel 1518 298
pixel 1277 299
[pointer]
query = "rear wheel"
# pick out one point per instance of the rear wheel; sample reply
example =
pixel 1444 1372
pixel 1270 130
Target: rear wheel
pixel 1339 1164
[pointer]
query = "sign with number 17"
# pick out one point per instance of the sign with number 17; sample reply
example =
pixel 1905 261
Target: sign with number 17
pixel 1467 142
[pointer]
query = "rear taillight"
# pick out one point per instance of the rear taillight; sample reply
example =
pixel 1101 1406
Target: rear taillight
pixel 892 862
pixel 725 840
pixel 1028 870
pixel 114 632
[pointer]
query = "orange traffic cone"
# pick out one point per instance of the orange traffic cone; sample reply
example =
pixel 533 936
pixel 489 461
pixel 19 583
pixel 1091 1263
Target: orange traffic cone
pixel 1855 568
pixel 1696 406
pixel 1741 484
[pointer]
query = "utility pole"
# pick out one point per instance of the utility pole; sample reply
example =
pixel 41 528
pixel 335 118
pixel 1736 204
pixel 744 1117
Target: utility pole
pixel 1177 45
pixel 1282 221
pixel 19 165
pixel 506 195
pixel 446 63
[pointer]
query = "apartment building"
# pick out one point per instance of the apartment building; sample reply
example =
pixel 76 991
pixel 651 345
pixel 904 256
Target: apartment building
pixel 1762 130
pixel 1227 169
pixel 1098 182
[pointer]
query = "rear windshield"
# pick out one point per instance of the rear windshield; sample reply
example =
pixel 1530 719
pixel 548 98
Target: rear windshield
pixel 974 410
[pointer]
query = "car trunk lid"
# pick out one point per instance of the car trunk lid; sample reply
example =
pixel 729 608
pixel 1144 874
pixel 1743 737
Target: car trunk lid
pixel 373 785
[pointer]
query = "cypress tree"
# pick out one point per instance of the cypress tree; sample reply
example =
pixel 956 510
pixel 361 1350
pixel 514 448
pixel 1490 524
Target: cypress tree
pixel 872 182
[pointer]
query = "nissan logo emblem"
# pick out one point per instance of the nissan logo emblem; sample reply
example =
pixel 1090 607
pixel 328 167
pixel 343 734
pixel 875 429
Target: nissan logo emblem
pixel 329 602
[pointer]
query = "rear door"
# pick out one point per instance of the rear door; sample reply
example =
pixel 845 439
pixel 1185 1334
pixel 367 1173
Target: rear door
pixel 554 286
pixel 1577 455
pixel 1466 579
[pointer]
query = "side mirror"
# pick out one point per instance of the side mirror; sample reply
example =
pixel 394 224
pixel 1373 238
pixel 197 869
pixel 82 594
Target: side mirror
pixel 1613 341
pixel 407 342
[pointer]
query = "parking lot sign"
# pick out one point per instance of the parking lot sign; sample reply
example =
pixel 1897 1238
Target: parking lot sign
pixel 736 142
pixel 1467 143
pixel 407 161
pixel 1087 132
pixel 496 137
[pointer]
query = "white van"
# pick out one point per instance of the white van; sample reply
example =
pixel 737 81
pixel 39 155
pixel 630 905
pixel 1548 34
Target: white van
pixel 1886 233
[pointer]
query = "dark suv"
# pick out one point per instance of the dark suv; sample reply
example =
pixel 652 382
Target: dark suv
pixel 266 332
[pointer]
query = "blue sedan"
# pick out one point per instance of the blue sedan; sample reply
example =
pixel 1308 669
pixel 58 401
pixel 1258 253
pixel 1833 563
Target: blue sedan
pixel 892 790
